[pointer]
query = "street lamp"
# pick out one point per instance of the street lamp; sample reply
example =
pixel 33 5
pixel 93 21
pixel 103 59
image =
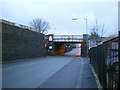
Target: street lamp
pixel 86 33
pixel 86 23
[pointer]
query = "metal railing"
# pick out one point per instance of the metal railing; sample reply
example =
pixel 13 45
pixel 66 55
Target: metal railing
pixel 68 38
pixel 104 59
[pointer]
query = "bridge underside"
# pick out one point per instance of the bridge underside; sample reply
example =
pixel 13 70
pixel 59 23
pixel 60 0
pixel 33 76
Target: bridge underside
pixel 60 47
pixel 57 43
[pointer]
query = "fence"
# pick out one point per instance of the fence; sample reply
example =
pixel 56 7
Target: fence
pixel 104 59
pixel 68 38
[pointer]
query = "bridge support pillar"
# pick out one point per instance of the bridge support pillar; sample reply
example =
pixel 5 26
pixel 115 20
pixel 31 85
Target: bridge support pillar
pixel 84 46
pixel 50 45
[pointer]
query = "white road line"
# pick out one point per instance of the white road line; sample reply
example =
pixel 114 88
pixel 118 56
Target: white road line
pixel 96 77
pixel 8 68
pixel 28 64
pixel 80 75
pixel 22 65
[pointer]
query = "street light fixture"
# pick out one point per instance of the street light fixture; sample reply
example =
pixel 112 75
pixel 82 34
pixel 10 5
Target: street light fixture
pixel 74 18
pixel 86 23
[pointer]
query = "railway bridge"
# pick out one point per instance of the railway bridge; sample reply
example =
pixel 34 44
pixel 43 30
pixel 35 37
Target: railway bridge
pixel 57 43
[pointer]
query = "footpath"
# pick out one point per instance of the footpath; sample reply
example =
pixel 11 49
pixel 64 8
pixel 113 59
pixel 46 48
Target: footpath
pixel 76 74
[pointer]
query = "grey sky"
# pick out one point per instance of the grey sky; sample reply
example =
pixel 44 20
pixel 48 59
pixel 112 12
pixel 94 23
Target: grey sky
pixel 60 14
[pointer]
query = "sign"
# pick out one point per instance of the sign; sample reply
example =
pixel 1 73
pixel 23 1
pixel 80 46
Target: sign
pixel 50 38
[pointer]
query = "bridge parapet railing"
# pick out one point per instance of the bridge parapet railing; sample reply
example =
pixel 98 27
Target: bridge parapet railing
pixel 68 38
pixel 104 59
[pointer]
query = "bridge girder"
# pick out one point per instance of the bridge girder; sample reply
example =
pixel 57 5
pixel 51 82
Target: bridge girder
pixel 62 39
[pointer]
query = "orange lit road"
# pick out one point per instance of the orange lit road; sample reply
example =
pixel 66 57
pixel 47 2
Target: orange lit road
pixel 76 51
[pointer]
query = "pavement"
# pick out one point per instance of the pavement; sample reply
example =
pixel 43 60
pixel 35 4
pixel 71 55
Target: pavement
pixel 76 74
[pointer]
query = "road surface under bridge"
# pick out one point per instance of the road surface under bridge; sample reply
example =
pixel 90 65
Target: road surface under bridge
pixel 48 72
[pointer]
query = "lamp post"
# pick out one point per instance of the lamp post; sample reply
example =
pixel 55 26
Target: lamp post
pixel 85 21
pixel 85 50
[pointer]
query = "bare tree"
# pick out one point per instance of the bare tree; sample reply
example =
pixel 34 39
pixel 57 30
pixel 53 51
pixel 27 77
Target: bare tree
pixel 97 31
pixel 40 25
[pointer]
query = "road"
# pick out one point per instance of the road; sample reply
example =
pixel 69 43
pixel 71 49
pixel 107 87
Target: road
pixel 48 72
pixel 75 51
pixel 31 73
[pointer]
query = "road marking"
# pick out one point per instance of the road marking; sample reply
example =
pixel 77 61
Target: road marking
pixel 22 65
pixel 59 69
pixel 8 68
pixel 79 83
pixel 96 77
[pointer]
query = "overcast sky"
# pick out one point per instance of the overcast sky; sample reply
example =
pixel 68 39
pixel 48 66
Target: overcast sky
pixel 60 14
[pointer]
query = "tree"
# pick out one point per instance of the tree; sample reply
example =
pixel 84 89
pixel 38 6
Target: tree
pixel 40 25
pixel 97 31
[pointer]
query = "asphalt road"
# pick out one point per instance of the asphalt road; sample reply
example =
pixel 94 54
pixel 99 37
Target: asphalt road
pixel 31 73
pixel 48 72
pixel 76 74
pixel 75 51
